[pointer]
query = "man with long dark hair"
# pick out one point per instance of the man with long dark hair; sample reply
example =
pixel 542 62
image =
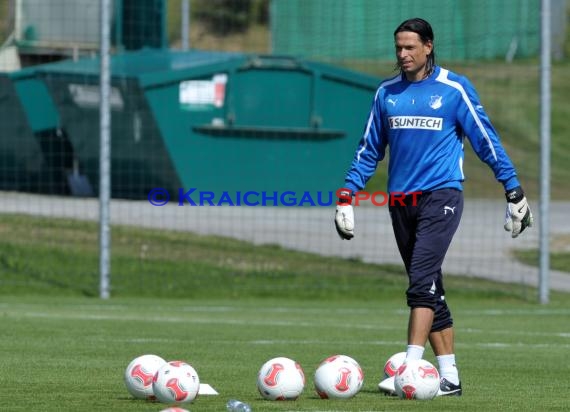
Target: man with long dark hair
pixel 422 115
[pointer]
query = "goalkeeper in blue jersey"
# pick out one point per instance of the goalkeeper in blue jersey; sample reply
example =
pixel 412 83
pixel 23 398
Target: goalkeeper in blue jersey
pixel 422 115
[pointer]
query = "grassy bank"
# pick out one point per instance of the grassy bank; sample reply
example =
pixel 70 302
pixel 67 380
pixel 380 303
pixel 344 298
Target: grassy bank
pixel 60 257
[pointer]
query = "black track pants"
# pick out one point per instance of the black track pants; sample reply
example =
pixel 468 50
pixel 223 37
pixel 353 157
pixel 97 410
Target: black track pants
pixel 424 228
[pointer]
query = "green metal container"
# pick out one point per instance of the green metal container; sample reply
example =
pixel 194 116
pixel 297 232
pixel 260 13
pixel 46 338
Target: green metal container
pixel 215 122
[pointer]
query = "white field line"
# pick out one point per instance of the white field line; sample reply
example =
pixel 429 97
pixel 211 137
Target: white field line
pixel 343 311
pixel 268 323
pixel 172 319
pixel 484 345
pixel 317 342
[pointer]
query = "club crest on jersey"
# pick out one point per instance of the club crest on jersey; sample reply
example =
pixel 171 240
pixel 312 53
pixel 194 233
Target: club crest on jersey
pixel 435 102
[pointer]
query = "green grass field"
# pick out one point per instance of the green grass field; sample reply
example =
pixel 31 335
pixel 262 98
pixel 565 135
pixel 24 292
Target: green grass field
pixel 69 354
pixel 227 307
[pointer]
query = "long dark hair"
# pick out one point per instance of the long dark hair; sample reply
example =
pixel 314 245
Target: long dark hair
pixel 424 30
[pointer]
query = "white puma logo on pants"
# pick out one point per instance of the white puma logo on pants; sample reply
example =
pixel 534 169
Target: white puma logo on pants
pixel 451 209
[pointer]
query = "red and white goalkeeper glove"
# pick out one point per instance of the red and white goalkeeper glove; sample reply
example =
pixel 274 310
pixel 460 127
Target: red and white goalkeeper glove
pixel 518 215
pixel 344 216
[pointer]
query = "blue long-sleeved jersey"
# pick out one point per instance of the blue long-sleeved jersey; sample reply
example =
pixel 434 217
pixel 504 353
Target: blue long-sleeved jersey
pixel 424 124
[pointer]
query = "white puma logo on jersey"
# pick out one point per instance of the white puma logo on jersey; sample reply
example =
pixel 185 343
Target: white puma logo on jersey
pixel 451 209
pixel 392 101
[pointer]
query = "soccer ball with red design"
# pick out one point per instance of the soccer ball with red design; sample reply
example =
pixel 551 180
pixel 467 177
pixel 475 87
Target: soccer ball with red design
pixel 176 382
pixel 281 379
pixel 338 377
pixel 139 374
pixel 417 379
pixel 393 363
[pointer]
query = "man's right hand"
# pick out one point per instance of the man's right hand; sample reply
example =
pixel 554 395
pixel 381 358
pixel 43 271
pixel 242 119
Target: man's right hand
pixel 344 217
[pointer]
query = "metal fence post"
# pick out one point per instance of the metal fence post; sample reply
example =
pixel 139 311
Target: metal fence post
pixel 185 24
pixel 104 153
pixel 545 67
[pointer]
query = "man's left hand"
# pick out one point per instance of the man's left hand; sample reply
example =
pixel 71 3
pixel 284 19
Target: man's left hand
pixel 518 215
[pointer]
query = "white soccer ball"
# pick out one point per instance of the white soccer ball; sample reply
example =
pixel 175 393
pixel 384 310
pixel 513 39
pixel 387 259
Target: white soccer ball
pixel 176 382
pixel 417 379
pixel 139 375
pixel 281 379
pixel 174 409
pixel 393 364
pixel 338 377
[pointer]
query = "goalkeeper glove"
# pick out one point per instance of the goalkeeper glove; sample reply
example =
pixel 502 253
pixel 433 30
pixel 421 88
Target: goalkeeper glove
pixel 344 216
pixel 518 215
